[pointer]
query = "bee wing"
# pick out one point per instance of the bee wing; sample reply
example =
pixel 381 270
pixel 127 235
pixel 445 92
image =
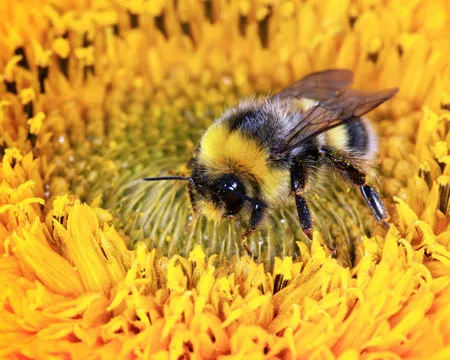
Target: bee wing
pixel 319 86
pixel 346 105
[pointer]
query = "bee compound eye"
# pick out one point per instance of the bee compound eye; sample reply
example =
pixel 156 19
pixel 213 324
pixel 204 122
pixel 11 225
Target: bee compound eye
pixel 229 191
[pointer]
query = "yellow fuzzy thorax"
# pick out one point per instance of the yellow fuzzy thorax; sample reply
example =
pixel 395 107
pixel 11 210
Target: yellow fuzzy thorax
pixel 223 152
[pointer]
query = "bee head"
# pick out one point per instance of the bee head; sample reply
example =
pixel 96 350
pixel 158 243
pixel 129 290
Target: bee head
pixel 219 197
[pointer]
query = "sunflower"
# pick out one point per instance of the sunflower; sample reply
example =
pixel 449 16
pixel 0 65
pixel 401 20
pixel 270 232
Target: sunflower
pixel 94 263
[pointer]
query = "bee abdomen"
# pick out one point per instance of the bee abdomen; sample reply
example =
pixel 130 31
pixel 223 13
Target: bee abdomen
pixel 356 136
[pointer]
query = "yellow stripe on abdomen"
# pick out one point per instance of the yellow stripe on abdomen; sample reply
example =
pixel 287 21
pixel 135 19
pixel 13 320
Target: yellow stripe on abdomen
pixel 356 136
pixel 337 138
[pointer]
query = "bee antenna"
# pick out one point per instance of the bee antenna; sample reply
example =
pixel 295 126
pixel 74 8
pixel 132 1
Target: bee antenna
pixel 162 178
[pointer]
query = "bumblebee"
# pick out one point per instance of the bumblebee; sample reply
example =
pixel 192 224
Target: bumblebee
pixel 263 150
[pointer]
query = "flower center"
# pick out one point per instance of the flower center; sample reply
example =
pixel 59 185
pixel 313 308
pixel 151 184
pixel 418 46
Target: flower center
pixel 157 138
pixel 143 118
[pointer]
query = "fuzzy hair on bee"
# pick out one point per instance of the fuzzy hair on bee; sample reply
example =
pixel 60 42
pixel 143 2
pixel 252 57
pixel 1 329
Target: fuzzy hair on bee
pixel 262 151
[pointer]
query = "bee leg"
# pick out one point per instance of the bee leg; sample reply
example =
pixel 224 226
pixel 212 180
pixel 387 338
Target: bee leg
pixel 374 202
pixel 257 215
pixel 247 249
pixel 357 177
pixel 304 215
pixel 298 183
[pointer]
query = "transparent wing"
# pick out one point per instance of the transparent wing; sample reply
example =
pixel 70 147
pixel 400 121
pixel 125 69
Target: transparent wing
pixel 336 103
pixel 319 85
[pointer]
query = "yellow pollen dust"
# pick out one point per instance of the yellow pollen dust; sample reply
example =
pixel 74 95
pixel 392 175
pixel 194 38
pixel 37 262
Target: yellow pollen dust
pixel 211 211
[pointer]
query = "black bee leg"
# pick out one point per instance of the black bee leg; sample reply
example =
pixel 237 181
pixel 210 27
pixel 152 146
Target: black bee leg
pixel 257 215
pixel 304 215
pixel 374 202
pixel 298 183
pixel 347 168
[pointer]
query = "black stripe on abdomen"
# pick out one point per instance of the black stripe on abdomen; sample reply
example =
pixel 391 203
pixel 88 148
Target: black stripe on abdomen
pixel 358 136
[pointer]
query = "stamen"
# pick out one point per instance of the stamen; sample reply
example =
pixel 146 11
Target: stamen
pixel 242 24
pixel 426 175
pixel 161 24
pixel 28 108
pixel 208 6
pixel 373 57
pixel 116 29
pixel 134 20
pixel 187 30
pixel 11 87
pixel 42 76
pixel 263 28
pixel 23 62
pixel 444 193
pixel 88 69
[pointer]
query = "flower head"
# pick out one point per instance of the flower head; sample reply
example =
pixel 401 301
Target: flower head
pixel 95 263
